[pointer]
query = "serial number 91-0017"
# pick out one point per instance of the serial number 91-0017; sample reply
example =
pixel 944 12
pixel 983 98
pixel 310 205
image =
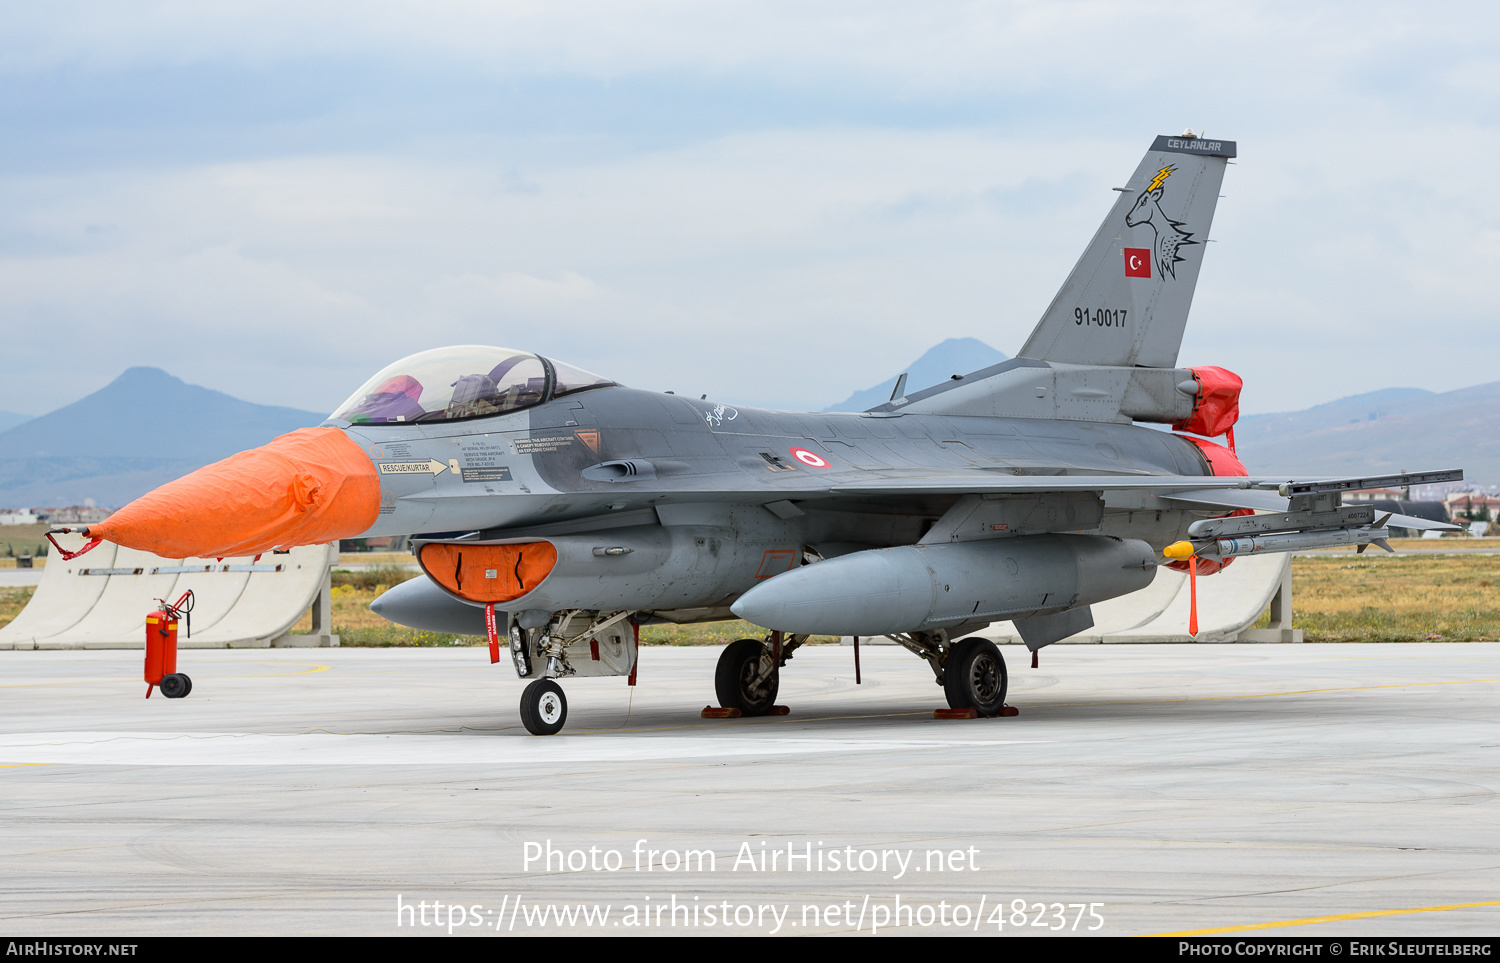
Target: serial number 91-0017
pixel 1100 317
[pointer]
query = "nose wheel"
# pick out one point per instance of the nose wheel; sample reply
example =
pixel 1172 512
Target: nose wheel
pixel 544 708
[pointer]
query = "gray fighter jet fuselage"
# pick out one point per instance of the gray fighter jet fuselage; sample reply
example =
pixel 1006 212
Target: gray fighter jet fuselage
pixel 757 493
pixel 557 510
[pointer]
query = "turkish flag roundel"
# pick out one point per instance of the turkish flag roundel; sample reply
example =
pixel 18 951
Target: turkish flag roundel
pixel 1138 262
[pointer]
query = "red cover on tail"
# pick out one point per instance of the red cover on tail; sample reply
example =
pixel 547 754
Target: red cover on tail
pixel 1218 404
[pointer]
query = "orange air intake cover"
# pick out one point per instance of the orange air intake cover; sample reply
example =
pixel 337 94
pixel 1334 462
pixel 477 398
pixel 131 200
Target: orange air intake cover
pixel 489 573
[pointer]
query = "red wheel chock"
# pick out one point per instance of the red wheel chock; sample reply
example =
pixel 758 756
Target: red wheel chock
pixel 971 713
pixel 714 712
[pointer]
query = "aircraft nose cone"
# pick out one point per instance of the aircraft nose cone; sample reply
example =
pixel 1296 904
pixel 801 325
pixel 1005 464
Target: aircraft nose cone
pixel 311 486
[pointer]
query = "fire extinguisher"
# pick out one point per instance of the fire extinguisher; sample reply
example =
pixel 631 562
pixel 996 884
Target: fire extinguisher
pixel 161 647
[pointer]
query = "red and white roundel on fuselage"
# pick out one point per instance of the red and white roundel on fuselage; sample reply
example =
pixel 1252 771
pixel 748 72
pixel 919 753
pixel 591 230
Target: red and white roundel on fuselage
pixel 809 458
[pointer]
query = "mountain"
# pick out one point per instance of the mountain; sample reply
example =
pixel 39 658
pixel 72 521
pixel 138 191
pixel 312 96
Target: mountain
pixel 9 419
pixel 954 356
pixel 1379 432
pixel 142 429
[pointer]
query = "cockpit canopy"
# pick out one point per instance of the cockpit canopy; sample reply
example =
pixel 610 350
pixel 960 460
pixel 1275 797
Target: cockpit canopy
pixel 464 381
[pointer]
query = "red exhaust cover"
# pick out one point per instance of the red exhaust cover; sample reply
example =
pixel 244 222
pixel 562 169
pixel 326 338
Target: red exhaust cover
pixel 1218 404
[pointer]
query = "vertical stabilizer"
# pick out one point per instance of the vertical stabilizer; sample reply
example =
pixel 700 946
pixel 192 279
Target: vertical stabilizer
pixel 1127 300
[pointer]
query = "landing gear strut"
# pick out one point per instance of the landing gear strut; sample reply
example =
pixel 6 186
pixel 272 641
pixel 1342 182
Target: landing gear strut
pixel 544 708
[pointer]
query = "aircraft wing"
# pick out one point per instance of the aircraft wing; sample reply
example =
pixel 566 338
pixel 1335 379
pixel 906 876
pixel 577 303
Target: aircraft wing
pixel 1261 494
pixel 986 482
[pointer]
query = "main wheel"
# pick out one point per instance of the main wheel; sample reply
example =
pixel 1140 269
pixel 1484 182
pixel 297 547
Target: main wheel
pixel 175 686
pixel 735 680
pixel 974 677
pixel 544 708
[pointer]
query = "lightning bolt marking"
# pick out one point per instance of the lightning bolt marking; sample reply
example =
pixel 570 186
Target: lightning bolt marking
pixel 1161 176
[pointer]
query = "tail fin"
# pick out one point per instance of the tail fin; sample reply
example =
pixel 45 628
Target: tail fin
pixel 1127 300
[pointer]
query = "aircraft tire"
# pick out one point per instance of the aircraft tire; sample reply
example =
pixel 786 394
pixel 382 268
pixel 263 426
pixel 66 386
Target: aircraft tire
pixel 737 666
pixel 175 686
pixel 974 677
pixel 544 708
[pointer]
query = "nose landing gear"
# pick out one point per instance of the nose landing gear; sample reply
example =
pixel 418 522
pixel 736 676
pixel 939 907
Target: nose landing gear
pixel 544 708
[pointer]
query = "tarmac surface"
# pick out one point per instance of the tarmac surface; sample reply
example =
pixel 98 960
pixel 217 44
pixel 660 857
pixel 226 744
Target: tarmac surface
pixel 1145 788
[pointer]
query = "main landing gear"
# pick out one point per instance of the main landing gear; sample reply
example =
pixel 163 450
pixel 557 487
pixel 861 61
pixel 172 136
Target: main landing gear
pixel 974 677
pixel 749 673
pixel 971 671
pixel 544 708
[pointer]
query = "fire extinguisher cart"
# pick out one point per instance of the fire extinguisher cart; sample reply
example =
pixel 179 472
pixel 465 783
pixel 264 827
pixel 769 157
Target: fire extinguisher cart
pixel 161 648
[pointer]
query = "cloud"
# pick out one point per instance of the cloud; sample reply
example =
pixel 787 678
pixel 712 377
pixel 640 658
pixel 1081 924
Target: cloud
pixel 769 202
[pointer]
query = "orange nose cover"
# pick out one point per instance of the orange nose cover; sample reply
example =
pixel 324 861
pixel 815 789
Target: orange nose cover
pixel 489 573
pixel 311 486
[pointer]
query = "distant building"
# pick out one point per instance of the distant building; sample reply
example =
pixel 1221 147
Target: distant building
pixel 19 516
pixel 77 515
pixel 1375 495
pixel 1473 505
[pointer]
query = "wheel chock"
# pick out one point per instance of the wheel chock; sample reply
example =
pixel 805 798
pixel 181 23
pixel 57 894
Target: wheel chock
pixel 970 713
pixel 714 712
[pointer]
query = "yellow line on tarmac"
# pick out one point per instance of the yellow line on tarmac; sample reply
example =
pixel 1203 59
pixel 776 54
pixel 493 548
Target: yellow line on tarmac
pixel 316 667
pixel 1258 695
pixel 22 765
pixel 1325 919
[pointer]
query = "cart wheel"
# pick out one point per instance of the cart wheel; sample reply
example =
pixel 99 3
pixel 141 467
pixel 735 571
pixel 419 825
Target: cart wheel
pixel 544 708
pixel 189 682
pixel 175 686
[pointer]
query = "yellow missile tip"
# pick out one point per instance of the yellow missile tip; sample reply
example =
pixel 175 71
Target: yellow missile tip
pixel 1178 550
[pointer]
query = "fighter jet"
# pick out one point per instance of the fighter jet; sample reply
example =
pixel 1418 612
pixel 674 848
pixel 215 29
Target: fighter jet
pixel 556 511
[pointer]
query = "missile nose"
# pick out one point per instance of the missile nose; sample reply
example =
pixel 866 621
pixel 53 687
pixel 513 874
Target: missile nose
pixel 311 486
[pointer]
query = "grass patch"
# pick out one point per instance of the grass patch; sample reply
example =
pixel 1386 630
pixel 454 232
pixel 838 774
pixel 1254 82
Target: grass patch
pixel 373 580
pixel 23 540
pixel 12 601
pixel 389 636
pixel 1384 598
pixel 713 633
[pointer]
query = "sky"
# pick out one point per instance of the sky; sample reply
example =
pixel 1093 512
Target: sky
pixel 772 203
